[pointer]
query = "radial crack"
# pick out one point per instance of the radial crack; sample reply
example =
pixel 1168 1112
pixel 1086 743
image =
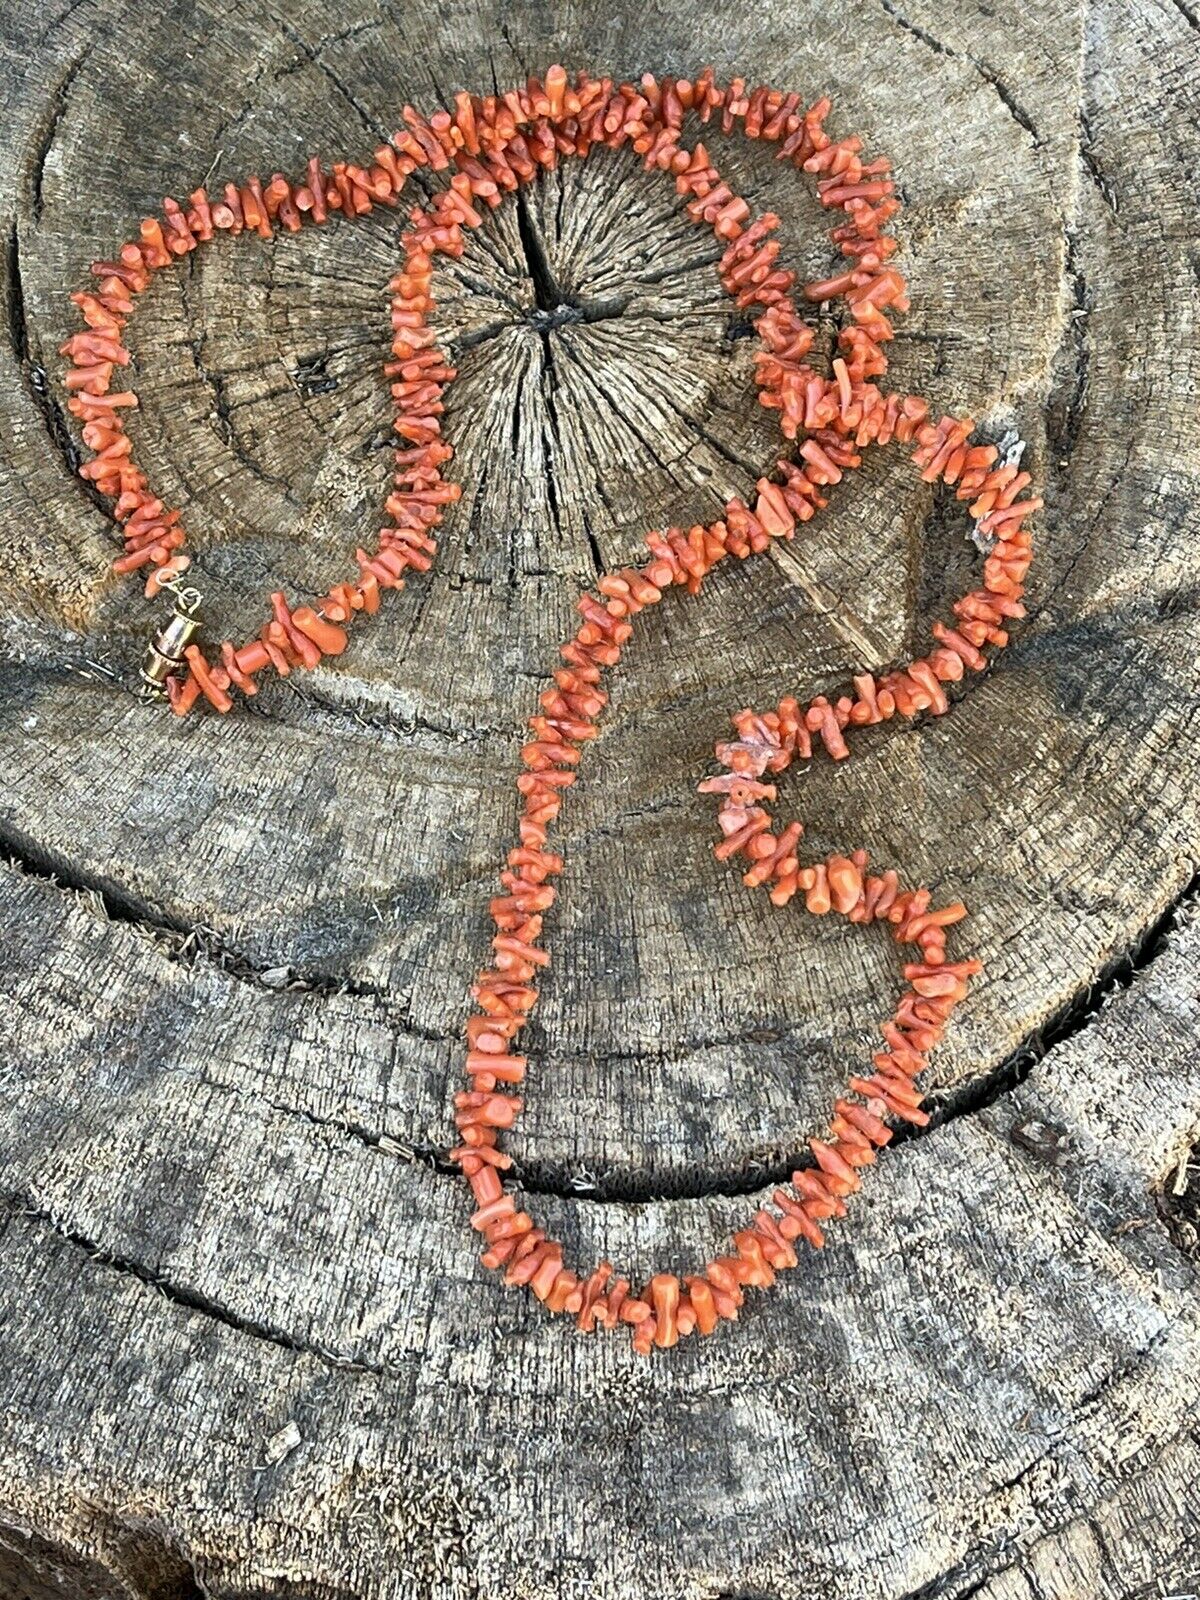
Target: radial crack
pixel 548 295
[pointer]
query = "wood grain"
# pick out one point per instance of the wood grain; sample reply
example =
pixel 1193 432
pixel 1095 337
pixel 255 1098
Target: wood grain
pixel 236 951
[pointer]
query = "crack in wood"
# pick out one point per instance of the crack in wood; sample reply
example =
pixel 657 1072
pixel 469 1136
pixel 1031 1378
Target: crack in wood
pixel 1007 98
pixel 843 620
pixel 313 56
pixel 34 374
pixel 549 296
pixel 1105 185
pixel 178 939
pixel 399 1147
pixel 55 110
pixel 1188 13
pixel 222 409
pixel 187 1298
pixel 400 728
pixel 29 1562
pixel 947 1585
pixel 1074 1018
pixel 746 1594
pixel 945 1107
pixel 728 455
pixel 1067 410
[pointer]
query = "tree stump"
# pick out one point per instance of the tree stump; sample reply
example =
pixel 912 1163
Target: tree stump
pixel 246 1348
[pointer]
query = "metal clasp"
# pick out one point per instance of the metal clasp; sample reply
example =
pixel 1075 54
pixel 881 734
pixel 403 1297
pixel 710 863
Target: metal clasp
pixel 164 655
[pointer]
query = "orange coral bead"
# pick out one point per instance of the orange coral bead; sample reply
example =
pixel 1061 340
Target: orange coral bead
pixel 329 639
pixel 664 1297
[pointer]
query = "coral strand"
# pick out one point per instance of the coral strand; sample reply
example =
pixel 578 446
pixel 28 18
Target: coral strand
pixel 489 146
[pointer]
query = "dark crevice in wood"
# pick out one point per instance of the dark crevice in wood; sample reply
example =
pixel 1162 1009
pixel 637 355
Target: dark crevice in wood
pixel 682 269
pixel 402 1149
pixel 1190 16
pixel 36 382
pixel 1015 109
pixel 1066 406
pixel 1009 100
pixel 182 1583
pixel 180 940
pixel 1077 1015
pixel 551 446
pixel 1115 1566
pixel 598 560
pixel 1105 186
pixel 458 344
pixel 314 706
pixel 547 294
pixel 402 729
pixel 55 107
pixel 377 132
pixel 1117 1375
pixel 948 1585
pixel 33 1567
pixel 222 410
pixel 730 456
pixel 187 1298
pixel 739 326
pixel 553 307
pixel 311 377
pixel 18 327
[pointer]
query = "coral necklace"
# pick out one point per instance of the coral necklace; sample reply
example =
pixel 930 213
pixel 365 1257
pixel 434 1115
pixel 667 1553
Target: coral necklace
pixel 492 145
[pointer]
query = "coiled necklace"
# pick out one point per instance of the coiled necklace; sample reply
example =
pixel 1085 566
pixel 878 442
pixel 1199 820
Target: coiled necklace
pixel 490 146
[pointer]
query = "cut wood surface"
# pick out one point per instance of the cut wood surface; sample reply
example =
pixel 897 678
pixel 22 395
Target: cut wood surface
pixel 246 1348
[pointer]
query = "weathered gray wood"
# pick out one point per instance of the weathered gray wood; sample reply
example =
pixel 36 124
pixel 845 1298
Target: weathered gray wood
pixel 224 1098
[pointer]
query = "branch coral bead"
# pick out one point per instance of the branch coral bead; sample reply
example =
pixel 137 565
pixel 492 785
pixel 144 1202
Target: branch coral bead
pixel 486 147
